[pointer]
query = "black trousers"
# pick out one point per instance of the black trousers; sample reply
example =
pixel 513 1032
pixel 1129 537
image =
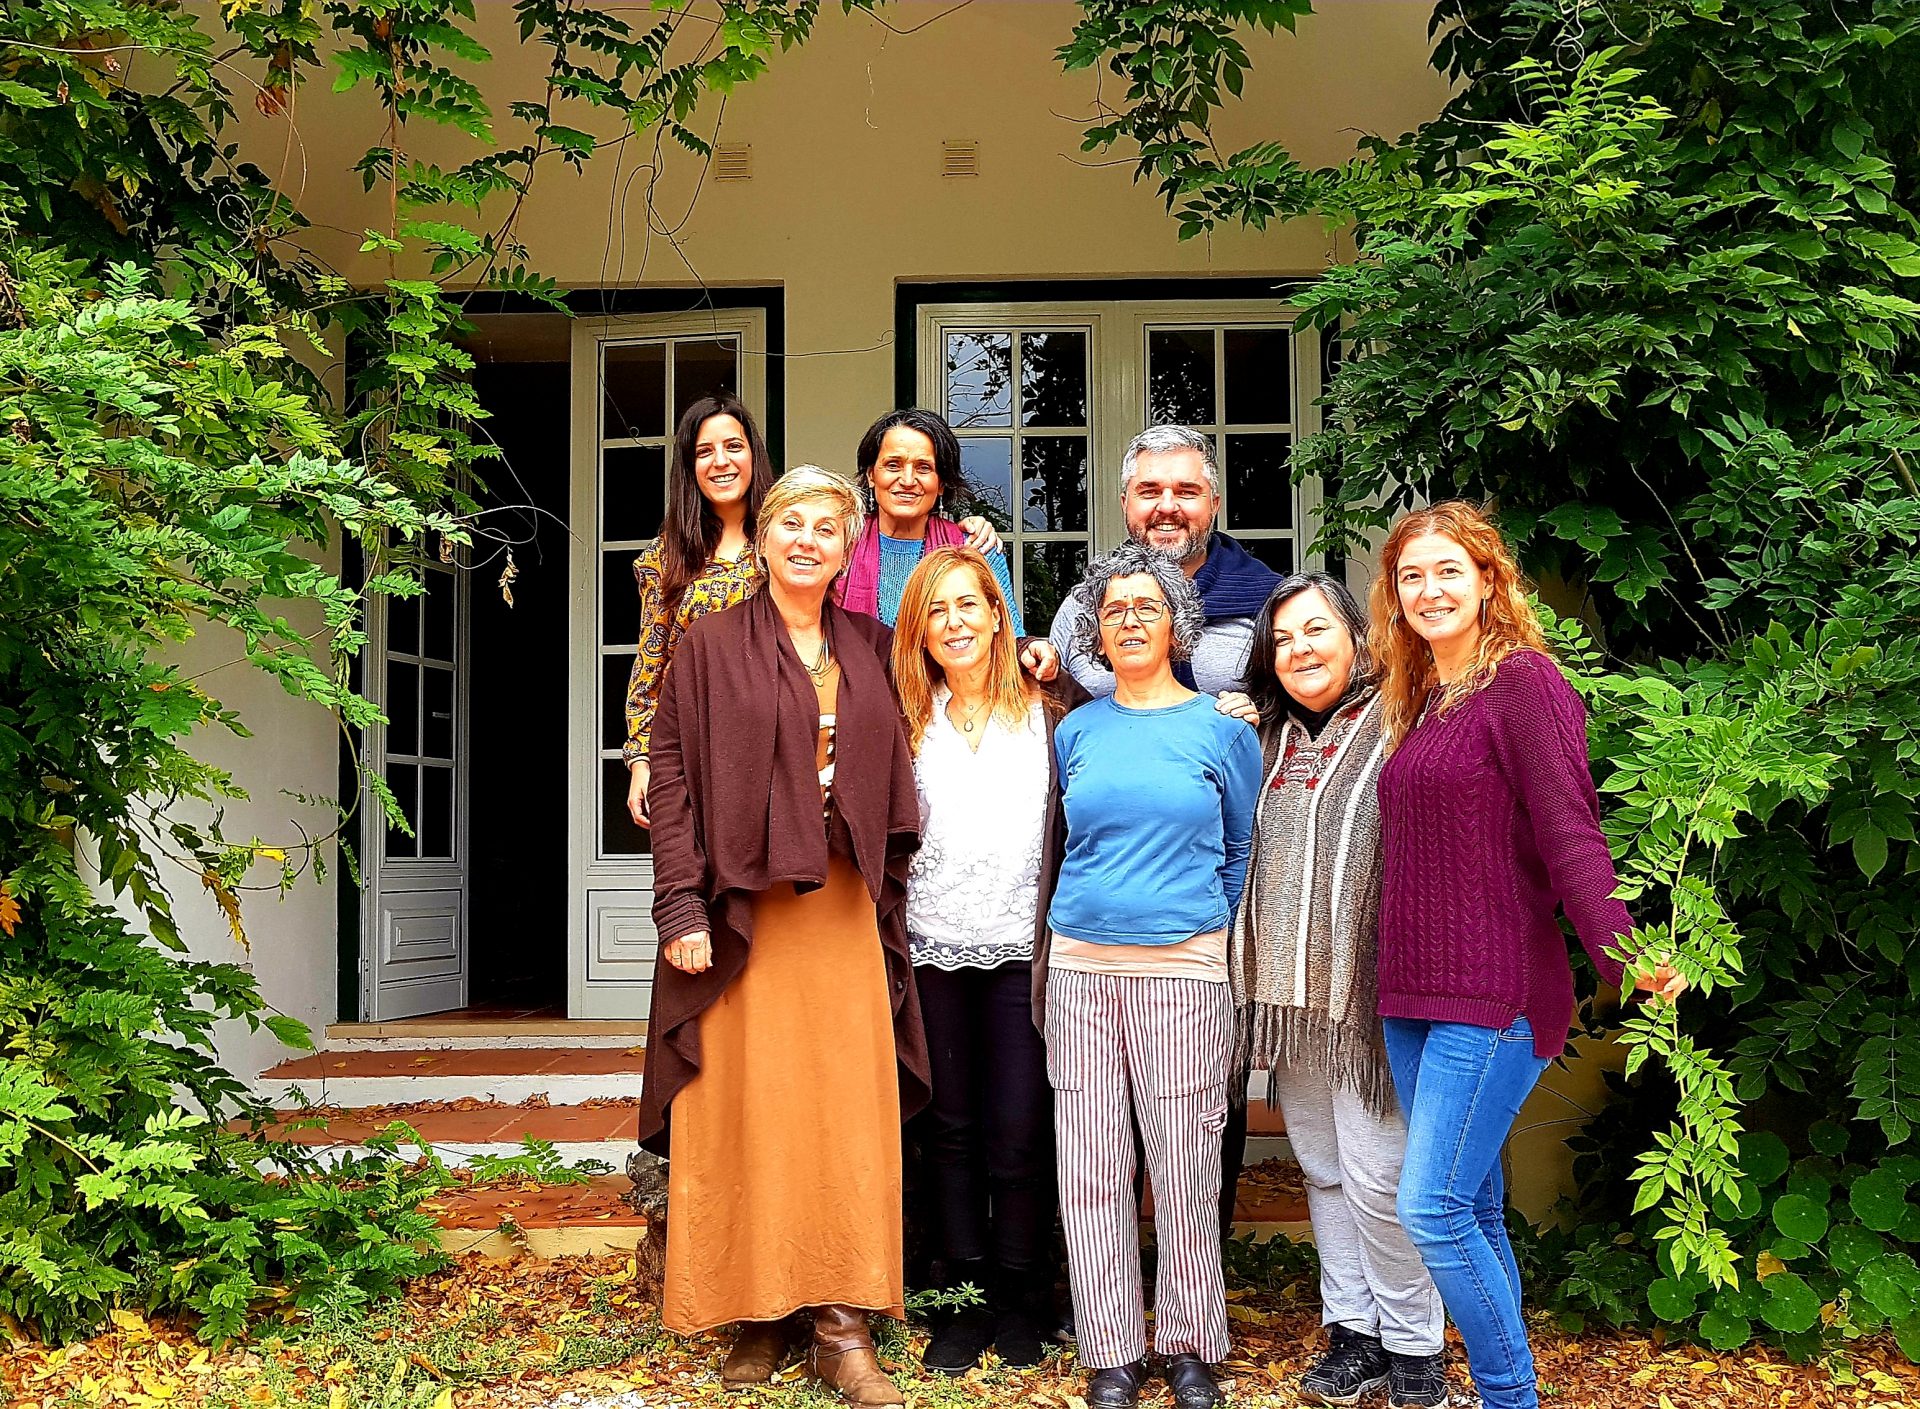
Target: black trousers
pixel 986 1138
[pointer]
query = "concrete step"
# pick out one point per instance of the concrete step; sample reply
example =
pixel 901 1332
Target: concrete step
pixel 607 1130
pixel 451 1034
pixel 392 1075
pixel 539 1220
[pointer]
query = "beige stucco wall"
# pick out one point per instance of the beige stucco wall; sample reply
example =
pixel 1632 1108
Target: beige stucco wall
pixel 846 198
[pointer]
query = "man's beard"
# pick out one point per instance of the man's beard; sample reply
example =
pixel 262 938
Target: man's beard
pixel 1194 546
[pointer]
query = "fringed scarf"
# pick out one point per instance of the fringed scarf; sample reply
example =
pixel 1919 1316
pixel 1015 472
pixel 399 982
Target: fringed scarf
pixel 1302 950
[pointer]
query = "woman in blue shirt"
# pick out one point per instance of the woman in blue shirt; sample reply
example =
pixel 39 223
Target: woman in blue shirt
pixel 1159 790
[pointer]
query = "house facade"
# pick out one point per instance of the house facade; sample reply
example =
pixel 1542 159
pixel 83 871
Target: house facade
pixel 895 214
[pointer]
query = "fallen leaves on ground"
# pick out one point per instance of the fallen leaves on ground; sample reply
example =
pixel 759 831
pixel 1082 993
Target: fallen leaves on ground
pixel 577 1332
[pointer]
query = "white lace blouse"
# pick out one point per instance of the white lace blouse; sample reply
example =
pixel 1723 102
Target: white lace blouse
pixel 973 888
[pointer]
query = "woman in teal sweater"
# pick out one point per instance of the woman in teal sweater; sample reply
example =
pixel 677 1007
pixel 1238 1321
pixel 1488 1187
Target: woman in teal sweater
pixel 1159 790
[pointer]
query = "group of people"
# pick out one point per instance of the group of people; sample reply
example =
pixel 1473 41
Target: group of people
pixel 1052 901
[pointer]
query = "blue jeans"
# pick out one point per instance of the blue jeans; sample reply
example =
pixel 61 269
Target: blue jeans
pixel 1460 1087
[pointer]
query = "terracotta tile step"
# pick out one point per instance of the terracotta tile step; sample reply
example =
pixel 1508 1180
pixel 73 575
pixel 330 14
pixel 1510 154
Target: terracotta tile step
pixel 470 1123
pixel 600 1201
pixel 1262 1120
pixel 465 1061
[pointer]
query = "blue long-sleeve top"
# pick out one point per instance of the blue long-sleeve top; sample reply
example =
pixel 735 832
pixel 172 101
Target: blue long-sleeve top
pixel 1159 809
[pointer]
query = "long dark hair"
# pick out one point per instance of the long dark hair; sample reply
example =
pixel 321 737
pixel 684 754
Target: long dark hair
pixel 955 492
pixel 691 530
pixel 1262 683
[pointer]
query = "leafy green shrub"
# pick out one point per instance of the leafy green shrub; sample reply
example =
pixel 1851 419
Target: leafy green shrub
pixel 155 478
pixel 1651 284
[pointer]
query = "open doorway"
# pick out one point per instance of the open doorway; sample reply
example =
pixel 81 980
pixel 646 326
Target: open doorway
pixel 517 911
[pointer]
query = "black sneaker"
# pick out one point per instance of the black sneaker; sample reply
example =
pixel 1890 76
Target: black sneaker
pixel 1416 1381
pixel 1353 1365
pixel 959 1340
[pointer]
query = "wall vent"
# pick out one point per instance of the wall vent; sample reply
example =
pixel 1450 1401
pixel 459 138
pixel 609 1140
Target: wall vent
pixel 960 157
pixel 733 161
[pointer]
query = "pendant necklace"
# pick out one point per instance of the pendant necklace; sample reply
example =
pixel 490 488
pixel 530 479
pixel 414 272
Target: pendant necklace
pixel 971 713
pixel 822 663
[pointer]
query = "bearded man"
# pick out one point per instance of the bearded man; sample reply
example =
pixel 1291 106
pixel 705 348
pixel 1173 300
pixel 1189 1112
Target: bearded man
pixel 1170 495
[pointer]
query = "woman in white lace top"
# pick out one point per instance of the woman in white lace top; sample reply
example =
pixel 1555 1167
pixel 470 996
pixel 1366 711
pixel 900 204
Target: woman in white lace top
pixel 991 833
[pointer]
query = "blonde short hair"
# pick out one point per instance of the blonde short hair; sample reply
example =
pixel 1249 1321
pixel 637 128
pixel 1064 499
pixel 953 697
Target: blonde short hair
pixel 804 484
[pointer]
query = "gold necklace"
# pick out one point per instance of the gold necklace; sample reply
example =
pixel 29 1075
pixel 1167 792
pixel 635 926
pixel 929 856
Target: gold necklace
pixel 970 713
pixel 822 663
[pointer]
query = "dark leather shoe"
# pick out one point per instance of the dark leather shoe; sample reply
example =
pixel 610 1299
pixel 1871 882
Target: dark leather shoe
pixel 1192 1383
pixel 759 1350
pixel 1117 1387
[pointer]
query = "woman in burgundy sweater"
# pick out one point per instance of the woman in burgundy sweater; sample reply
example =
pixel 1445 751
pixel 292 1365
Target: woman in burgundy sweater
pixel 1489 823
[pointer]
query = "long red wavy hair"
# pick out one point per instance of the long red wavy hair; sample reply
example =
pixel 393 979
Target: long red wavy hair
pixel 1402 655
pixel 915 672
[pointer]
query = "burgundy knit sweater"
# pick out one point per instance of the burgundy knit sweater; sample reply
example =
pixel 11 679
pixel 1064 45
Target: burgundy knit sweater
pixel 1488 822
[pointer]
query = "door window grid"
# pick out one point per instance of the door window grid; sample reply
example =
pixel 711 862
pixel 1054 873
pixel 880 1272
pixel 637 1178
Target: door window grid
pixel 645 384
pixel 421 702
pixel 1216 377
pixel 1017 396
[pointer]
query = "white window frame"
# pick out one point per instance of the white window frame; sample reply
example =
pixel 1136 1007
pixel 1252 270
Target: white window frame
pixel 609 898
pixel 1117 390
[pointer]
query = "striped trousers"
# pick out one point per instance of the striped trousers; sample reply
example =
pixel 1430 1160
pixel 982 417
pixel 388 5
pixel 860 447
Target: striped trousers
pixel 1152 1052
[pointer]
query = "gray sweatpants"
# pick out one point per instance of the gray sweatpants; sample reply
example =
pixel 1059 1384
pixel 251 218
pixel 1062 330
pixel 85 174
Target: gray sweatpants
pixel 1371 1279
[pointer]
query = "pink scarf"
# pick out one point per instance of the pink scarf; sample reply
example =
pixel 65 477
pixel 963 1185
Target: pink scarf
pixel 859 589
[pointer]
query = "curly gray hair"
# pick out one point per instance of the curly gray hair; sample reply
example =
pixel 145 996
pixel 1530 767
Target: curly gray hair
pixel 1131 559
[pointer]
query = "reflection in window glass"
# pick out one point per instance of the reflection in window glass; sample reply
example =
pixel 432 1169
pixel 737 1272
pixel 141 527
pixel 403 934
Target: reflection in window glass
pixel 403 625
pixel 615 671
pixel 633 390
pixel 1259 481
pixel 403 778
pixel 703 369
pixel 1051 569
pixel 436 713
pixel 1259 376
pixel 1053 379
pixel 437 607
pixel 979 379
pixel 1053 483
pixel 1180 376
pixel 633 493
pixel 403 706
pixel 987 463
pixel 436 813
pixel 619 834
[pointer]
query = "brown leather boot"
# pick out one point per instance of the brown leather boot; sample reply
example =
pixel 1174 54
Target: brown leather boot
pixel 759 1349
pixel 841 1358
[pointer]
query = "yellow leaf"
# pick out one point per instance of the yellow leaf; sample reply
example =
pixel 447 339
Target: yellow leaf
pixel 444 1399
pixel 127 1320
pixel 272 852
pixel 337 1397
pixel 1766 1264
pixel 9 909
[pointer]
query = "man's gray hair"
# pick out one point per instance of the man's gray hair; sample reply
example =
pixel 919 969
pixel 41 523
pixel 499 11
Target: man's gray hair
pixel 1131 559
pixel 1158 440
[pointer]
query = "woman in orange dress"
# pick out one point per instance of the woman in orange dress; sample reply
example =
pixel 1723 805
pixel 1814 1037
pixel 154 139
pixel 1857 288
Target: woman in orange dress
pixel 784 1043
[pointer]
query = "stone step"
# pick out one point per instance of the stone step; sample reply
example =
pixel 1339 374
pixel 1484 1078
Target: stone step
pixel 390 1075
pixel 447 1034
pixel 539 1220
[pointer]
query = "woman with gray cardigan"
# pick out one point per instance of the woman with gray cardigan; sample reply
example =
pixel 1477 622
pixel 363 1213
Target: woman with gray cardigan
pixel 1301 961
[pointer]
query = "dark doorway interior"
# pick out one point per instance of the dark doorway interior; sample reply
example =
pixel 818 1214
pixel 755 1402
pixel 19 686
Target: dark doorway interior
pixel 516 907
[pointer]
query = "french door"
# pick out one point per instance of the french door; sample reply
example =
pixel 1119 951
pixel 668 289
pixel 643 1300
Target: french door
pixel 1045 397
pixel 632 379
pixel 413 942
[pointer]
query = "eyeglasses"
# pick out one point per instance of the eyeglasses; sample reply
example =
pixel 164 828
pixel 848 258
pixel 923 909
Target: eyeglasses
pixel 1146 613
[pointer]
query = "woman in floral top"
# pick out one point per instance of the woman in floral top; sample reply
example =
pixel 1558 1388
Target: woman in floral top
pixel 703 559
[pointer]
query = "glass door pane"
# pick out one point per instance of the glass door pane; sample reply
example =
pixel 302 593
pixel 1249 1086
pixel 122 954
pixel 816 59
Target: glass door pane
pixel 645 386
pixel 1018 397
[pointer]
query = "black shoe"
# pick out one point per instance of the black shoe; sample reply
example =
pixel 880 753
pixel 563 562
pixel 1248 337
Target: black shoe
pixel 1064 1330
pixel 1117 1387
pixel 959 1340
pixel 1018 1318
pixel 1416 1381
pixel 1354 1364
pixel 1192 1382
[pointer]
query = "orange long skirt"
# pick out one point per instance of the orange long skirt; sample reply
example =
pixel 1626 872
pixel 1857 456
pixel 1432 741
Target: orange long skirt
pixel 784 1181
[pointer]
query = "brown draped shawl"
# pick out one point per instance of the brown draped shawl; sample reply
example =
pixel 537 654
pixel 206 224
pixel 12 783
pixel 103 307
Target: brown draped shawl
pixel 735 803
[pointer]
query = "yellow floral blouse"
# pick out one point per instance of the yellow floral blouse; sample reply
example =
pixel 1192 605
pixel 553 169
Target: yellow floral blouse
pixel 719 585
